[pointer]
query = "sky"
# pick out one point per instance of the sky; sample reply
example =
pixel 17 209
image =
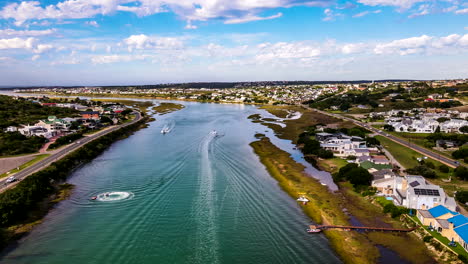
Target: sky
pixel 125 42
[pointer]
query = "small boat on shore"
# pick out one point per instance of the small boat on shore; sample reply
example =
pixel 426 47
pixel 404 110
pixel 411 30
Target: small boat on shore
pixel 303 200
pixel 313 230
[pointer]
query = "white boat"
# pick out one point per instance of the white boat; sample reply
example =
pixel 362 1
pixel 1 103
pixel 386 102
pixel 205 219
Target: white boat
pixel 165 131
pixel 214 132
pixel 302 199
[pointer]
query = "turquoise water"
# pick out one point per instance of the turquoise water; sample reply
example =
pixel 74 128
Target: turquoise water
pixel 195 198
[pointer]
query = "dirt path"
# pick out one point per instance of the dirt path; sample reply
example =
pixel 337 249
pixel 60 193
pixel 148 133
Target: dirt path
pixel 7 164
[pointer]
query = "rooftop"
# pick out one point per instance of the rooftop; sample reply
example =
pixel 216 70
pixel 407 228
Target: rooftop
pixel 440 210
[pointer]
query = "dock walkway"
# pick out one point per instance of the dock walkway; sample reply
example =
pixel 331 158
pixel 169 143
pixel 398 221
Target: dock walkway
pixel 362 228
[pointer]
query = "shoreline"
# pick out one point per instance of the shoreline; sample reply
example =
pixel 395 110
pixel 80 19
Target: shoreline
pixel 357 208
pixel 324 207
pixel 13 230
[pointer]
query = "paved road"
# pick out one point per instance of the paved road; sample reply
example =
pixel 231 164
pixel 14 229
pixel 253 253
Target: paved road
pixel 447 161
pixel 62 153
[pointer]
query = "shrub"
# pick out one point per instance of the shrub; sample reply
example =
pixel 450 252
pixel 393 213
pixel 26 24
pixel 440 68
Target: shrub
pixel 427 239
pixel 463 258
pixel 444 168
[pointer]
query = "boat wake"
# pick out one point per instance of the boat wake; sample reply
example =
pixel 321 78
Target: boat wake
pixel 207 243
pixel 168 128
pixel 113 196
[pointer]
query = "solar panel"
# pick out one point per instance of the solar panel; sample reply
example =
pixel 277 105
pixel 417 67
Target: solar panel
pixel 414 184
pixel 430 192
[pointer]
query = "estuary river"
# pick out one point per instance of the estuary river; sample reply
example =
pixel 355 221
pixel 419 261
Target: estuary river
pixel 193 197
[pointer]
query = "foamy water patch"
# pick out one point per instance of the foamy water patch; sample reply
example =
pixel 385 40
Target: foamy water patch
pixel 114 196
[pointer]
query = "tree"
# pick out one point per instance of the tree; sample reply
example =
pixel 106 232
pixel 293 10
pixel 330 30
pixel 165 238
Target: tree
pixel 461 172
pixel 464 129
pixel 372 141
pixel 444 168
pixel 356 175
pixel 389 128
pixel 462 196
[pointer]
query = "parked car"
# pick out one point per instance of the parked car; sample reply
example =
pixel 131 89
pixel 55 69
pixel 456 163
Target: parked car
pixel 10 179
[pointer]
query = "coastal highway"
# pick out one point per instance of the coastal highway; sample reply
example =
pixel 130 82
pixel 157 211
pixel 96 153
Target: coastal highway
pixel 62 153
pixel 447 161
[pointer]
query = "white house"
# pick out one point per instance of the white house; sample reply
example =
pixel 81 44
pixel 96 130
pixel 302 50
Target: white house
pixel 414 192
pixel 453 125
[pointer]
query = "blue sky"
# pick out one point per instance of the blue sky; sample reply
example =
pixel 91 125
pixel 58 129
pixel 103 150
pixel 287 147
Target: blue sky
pixel 106 42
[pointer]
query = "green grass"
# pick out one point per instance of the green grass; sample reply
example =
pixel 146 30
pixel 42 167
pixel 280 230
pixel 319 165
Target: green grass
pixel 407 157
pixel 165 108
pixel 324 207
pixel 25 165
pixel 331 165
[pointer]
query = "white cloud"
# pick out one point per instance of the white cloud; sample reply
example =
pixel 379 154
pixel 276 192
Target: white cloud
pixel 106 59
pixel 398 3
pixel 17 43
pixel 150 42
pixel 43 48
pixel 353 48
pixel 286 50
pixel 462 11
pixel 404 46
pixel 330 15
pixel 189 10
pixel 25 33
pixel 250 18
pixel 424 44
pixel 361 14
pixel 92 23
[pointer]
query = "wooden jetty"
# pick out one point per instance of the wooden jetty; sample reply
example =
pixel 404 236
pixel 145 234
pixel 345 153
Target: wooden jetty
pixel 318 228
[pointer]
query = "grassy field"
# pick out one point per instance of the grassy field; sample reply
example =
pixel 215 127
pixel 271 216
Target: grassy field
pixel 142 105
pixel 295 127
pixel 331 165
pixel 25 165
pixel 166 108
pixel 407 157
pixel 324 207
pixel 419 139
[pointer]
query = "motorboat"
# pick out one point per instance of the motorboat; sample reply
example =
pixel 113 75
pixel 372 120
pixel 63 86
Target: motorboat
pixel 214 132
pixel 93 198
pixel 165 130
pixel 302 199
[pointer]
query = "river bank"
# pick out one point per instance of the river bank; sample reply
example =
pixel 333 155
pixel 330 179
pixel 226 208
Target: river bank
pixel 28 202
pixel 359 210
pixel 323 208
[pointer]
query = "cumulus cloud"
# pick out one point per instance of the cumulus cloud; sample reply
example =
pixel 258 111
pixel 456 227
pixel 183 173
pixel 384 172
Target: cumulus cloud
pixel 17 43
pixel 189 10
pixel 423 44
pixel 29 44
pixel 143 41
pixel 353 48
